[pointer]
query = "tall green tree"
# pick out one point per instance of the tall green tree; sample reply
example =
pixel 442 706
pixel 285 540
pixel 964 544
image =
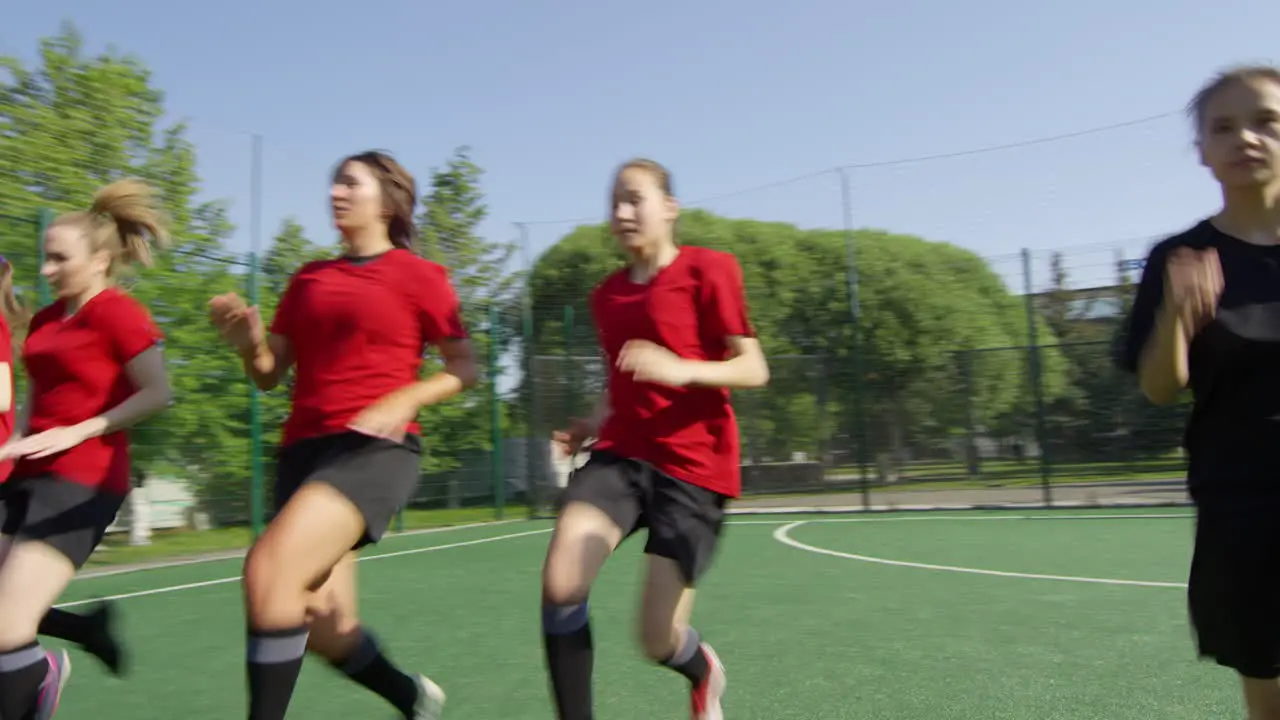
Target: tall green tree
pixel 458 434
pixel 290 250
pixel 453 210
pixel 76 121
pixel 922 302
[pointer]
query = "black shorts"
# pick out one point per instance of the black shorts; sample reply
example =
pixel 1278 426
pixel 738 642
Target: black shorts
pixel 1234 589
pixel 378 476
pixel 69 517
pixel 684 520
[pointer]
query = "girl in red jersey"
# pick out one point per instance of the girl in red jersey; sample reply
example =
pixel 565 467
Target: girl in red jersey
pixel 95 366
pixel 93 632
pixel 673 326
pixel 12 315
pixel 356 328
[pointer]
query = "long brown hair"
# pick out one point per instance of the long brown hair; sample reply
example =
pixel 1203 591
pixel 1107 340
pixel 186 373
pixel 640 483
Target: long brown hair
pixel 15 315
pixel 399 194
pixel 123 220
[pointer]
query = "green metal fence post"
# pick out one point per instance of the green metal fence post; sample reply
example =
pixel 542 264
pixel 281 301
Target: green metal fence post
pixel 495 418
pixel 44 218
pixel 855 346
pixel 257 483
pixel 1037 381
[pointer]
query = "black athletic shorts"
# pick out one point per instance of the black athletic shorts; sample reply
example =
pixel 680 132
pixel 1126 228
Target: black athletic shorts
pixel 67 516
pixel 378 476
pixel 684 520
pixel 1234 589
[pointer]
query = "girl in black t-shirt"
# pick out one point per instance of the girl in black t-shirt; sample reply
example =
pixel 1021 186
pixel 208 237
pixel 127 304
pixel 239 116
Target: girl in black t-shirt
pixel 1207 317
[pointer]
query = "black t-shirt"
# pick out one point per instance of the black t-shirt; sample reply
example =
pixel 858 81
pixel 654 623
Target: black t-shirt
pixel 1233 433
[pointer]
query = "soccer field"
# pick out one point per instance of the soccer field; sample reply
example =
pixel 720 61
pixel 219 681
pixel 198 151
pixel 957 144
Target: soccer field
pixel 1075 614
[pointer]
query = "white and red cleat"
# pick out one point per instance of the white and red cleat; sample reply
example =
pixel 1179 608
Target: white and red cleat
pixel 55 680
pixel 704 700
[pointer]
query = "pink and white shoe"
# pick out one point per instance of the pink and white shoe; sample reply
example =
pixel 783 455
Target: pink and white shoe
pixel 55 680
pixel 704 700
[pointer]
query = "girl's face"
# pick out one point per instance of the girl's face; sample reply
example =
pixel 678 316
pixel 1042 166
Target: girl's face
pixel 70 265
pixel 643 213
pixel 1240 134
pixel 355 199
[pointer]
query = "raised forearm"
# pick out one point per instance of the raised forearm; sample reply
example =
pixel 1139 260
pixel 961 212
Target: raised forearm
pixel 1163 367
pixel 137 407
pixel 749 370
pixel 456 376
pixel 262 366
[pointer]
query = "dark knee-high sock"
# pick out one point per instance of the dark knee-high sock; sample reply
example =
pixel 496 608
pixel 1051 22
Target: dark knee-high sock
pixel 368 666
pixel 22 671
pixel 274 663
pixel 92 632
pixel 566 634
pixel 688 659
pixel 67 626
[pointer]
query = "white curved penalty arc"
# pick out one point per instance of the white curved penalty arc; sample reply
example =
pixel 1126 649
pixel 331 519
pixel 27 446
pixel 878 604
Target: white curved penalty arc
pixel 783 535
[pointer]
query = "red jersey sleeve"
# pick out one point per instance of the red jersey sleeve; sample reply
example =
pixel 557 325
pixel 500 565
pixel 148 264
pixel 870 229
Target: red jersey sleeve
pixel 282 323
pixel 439 311
pixel 723 310
pixel 6 341
pixel 129 329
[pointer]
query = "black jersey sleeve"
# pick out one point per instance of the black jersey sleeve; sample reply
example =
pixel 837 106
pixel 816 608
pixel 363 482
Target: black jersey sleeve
pixel 1135 330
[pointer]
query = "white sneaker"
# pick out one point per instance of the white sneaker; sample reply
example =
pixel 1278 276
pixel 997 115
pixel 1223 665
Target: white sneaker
pixel 430 700
pixel 704 700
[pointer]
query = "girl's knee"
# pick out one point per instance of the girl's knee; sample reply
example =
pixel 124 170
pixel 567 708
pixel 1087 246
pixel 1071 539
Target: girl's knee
pixel 18 625
pixel 32 578
pixel 260 570
pixel 563 589
pixel 274 597
pixel 571 568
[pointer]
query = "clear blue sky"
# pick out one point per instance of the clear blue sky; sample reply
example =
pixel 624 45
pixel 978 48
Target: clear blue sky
pixel 732 96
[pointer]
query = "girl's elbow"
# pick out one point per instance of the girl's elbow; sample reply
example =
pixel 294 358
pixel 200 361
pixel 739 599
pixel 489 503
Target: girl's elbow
pixel 466 372
pixel 760 377
pixel 163 393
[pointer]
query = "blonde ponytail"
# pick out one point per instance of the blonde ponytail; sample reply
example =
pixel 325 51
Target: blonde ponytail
pixel 125 221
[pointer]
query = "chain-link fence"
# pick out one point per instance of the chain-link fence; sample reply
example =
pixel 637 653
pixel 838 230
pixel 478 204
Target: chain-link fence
pixel 208 460
pixel 950 388
pixel 942 384
pixel 905 369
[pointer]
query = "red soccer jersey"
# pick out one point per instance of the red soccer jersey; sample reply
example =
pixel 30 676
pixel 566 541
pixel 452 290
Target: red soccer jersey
pixel 359 330
pixel 76 366
pixel 7 417
pixel 691 307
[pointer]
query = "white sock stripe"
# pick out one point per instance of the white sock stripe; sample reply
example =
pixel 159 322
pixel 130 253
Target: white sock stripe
pixel 688 648
pixel 274 649
pixel 19 659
